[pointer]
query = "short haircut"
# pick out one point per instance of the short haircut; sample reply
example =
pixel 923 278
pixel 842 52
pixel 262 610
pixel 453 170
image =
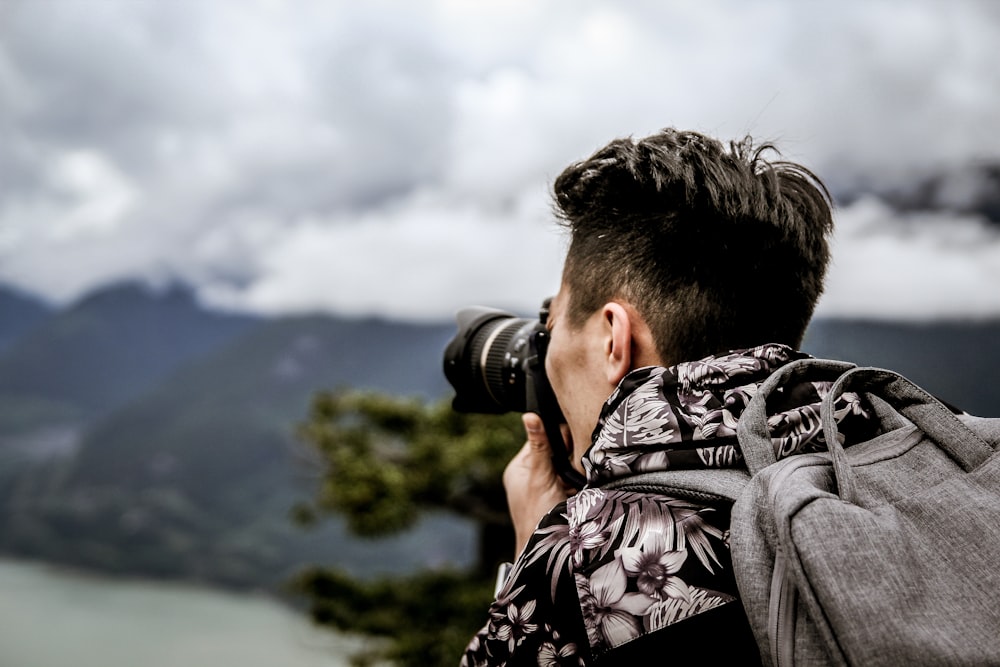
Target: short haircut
pixel 717 249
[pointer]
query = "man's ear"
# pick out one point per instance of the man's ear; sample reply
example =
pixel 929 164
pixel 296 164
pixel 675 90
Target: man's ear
pixel 618 341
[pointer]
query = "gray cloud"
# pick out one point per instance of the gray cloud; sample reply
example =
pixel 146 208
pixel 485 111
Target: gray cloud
pixel 392 157
pixel 889 265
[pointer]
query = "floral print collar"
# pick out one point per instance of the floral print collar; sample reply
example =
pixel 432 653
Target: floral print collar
pixel 685 416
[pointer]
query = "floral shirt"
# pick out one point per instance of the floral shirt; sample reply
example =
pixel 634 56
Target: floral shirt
pixel 610 574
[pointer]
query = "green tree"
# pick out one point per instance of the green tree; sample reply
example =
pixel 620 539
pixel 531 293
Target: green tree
pixel 387 460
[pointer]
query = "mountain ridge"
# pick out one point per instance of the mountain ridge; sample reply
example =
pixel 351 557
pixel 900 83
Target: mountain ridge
pixel 19 313
pixel 193 473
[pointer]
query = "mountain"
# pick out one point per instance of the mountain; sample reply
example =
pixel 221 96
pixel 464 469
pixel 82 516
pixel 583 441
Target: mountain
pixel 225 413
pixel 103 351
pixel 195 476
pixel 184 462
pixel 19 314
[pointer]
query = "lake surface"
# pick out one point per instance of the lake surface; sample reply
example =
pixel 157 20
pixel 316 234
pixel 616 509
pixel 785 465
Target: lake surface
pixel 55 618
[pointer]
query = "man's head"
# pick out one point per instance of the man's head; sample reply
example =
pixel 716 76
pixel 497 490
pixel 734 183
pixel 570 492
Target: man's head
pixel 715 247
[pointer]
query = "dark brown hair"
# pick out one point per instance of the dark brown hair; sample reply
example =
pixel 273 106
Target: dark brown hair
pixel 717 248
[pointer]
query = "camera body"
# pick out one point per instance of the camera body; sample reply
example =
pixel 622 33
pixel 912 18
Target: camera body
pixel 496 364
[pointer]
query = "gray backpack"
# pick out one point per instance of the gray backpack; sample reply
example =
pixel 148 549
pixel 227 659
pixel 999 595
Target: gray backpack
pixel 886 552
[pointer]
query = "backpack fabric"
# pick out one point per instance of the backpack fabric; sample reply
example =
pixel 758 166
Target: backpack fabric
pixel 884 552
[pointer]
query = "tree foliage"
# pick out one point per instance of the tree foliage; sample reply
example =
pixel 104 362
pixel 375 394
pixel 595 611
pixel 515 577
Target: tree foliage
pixel 385 461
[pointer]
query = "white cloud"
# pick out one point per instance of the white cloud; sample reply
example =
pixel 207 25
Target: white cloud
pixel 888 265
pixel 99 196
pixel 267 151
pixel 421 259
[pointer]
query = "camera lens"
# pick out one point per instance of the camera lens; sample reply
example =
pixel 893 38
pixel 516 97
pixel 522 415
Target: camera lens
pixel 485 361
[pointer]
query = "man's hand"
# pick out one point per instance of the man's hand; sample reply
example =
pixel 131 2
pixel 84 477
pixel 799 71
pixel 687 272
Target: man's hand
pixel 532 484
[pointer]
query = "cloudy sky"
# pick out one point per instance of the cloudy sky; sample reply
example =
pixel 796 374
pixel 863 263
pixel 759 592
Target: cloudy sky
pixel 393 157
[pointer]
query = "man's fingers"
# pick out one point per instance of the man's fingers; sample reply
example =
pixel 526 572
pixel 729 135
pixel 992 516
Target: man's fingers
pixel 532 484
pixel 535 431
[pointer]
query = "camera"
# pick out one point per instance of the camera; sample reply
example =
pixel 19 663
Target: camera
pixel 496 364
pixel 495 361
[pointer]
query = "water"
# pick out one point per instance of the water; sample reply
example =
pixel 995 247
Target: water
pixel 54 618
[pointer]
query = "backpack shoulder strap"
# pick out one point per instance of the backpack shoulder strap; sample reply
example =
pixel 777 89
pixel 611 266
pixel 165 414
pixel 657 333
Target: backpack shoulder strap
pixel 752 430
pixel 717 485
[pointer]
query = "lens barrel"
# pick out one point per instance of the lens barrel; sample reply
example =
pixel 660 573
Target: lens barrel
pixel 486 361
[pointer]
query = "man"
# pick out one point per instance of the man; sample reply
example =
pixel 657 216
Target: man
pixel 692 273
